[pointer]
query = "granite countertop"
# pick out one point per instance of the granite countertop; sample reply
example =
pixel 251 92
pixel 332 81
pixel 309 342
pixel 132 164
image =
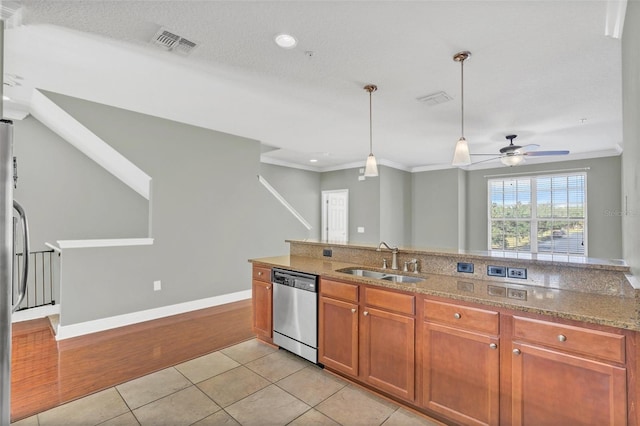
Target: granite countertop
pixel 615 311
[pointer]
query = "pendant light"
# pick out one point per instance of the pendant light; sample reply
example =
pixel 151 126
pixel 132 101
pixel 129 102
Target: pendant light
pixel 371 168
pixel 461 155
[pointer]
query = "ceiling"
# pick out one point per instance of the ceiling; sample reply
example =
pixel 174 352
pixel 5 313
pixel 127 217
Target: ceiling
pixel 544 70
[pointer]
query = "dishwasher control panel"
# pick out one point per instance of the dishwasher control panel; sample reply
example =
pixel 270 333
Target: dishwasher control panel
pixel 295 279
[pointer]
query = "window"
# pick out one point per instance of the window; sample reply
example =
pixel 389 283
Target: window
pixel 541 214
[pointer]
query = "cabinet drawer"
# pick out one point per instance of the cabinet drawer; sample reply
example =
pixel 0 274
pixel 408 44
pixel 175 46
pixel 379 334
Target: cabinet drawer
pixel 385 299
pixel 599 344
pixel 339 290
pixel 262 274
pixel 462 316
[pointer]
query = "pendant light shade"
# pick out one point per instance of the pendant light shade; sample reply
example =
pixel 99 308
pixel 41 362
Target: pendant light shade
pixel 371 168
pixel 461 155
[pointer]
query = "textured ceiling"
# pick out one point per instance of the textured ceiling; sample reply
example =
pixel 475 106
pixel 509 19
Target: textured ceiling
pixel 537 69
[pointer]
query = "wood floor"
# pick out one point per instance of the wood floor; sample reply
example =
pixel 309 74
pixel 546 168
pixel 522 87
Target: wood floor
pixel 46 373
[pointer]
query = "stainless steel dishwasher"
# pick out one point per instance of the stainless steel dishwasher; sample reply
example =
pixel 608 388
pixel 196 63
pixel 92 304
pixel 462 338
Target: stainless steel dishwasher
pixel 295 312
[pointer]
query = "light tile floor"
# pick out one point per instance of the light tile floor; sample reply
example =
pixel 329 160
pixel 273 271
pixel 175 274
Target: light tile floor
pixel 246 384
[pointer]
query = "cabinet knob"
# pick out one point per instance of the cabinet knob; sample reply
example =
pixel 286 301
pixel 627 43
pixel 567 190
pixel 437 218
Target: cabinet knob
pixel 268 287
pixel 259 273
pixel 516 351
pixel 353 310
pixel 562 338
pixel 366 313
pixel 457 316
pixel 493 346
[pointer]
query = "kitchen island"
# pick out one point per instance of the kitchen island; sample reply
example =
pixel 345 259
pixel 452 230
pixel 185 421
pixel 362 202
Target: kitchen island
pixel 557 345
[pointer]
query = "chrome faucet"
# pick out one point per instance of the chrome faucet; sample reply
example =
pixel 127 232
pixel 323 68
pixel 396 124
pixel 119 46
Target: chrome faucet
pixel 394 252
pixel 413 262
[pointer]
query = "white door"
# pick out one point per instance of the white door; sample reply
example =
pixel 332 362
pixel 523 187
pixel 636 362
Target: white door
pixel 335 216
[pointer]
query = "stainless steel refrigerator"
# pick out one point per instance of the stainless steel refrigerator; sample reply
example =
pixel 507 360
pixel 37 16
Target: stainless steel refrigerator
pixel 7 235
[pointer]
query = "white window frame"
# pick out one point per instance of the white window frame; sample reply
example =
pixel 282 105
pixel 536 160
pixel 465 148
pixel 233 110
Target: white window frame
pixel 533 229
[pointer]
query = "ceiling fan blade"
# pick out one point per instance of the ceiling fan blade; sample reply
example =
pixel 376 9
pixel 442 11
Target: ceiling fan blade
pixel 529 148
pixel 484 161
pixel 542 153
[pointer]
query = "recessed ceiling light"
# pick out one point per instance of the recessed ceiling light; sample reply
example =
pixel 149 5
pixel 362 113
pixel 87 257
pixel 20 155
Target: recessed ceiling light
pixel 5 98
pixel 313 160
pixel 286 41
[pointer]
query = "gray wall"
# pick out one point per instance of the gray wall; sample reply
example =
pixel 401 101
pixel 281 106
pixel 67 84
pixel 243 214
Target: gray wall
pixel 631 131
pixel 208 211
pixel 364 202
pixel 435 208
pixel 301 189
pixel 395 206
pixel 68 197
pixel 603 197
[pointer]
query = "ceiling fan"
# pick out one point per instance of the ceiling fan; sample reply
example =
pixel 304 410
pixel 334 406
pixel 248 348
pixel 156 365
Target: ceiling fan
pixel 512 155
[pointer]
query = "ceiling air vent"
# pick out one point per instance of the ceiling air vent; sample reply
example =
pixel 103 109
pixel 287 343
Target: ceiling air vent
pixel 435 98
pixel 173 42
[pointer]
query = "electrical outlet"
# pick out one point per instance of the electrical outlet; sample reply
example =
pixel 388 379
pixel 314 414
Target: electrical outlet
pixel 465 267
pixel 520 273
pixel 327 252
pixel 496 271
pixel 157 285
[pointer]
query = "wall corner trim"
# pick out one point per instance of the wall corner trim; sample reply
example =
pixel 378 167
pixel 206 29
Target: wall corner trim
pixel 72 131
pixel 284 202
pixel 113 242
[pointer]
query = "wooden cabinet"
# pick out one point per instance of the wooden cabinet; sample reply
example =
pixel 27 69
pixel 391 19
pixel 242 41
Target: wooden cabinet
pixel 338 326
pixel 372 339
pixel 563 374
pixel 461 363
pixel 262 302
pixel 468 364
pixel 388 342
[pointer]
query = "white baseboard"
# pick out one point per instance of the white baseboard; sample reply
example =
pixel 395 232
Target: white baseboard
pixel 80 329
pixel 35 313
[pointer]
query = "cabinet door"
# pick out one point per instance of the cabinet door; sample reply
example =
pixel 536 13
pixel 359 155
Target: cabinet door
pixel 388 352
pixel 553 388
pixel 338 335
pixel 262 301
pixel 460 374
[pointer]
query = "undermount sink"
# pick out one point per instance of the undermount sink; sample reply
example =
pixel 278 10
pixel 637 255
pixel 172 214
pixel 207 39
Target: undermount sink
pixel 397 278
pixel 402 279
pixel 365 273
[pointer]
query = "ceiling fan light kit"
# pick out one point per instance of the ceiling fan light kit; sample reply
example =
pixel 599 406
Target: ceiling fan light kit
pixel 512 159
pixel 512 154
pixel 371 167
pixel 461 156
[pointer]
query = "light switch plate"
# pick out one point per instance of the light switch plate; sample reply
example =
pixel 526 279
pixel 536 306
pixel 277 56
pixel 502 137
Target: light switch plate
pixel 496 271
pixel 465 267
pixel 361 229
